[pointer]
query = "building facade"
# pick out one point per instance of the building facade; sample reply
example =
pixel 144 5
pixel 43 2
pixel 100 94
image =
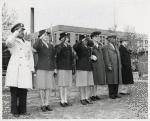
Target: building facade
pixel 74 32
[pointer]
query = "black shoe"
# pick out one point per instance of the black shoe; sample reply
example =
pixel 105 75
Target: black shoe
pixel 63 104
pixel 112 97
pixel 16 115
pixel 43 108
pixel 97 98
pixel 83 102
pixel 68 104
pixel 122 93
pixel 88 101
pixel 128 93
pixel 48 108
pixel 26 114
pixel 117 96
pixel 93 98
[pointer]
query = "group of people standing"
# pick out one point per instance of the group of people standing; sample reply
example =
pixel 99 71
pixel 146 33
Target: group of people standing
pixel 95 64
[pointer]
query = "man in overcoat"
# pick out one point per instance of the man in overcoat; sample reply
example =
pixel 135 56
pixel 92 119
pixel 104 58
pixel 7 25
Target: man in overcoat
pixel 113 66
pixel 98 65
pixel 127 76
pixel 19 71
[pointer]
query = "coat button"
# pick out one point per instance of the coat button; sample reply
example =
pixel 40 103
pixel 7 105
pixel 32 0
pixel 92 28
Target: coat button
pixel 20 48
pixel 20 64
pixel 27 65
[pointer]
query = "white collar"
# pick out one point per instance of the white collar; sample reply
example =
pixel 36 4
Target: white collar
pixel 46 43
pixel 65 44
pixel 21 41
pixel 123 45
pixel 112 45
pixel 96 44
pixel 85 46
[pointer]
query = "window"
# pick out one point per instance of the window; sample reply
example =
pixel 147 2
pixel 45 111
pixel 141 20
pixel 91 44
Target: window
pixel 76 37
pixel 130 43
pixel 100 38
pixel 146 42
pixel 55 38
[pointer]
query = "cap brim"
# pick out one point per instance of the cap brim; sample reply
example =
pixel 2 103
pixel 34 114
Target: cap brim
pixel 48 32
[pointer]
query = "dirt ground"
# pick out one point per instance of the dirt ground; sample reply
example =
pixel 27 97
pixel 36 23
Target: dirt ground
pixel 134 106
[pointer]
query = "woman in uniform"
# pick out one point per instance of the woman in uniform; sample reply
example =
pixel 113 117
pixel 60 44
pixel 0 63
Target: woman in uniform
pixel 64 67
pixel 84 75
pixel 45 68
pixel 98 65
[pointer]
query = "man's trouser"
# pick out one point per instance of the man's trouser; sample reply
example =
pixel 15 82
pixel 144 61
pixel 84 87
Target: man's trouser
pixel 113 89
pixel 18 100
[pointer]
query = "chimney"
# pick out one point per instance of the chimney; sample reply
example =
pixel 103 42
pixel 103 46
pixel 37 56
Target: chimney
pixel 32 21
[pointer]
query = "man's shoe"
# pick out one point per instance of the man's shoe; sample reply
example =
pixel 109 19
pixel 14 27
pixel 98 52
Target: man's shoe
pixel 117 96
pixel 93 98
pixel 43 108
pixel 97 98
pixel 88 101
pixel 48 108
pixel 16 115
pixel 63 104
pixel 26 114
pixel 128 93
pixel 122 93
pixel 112 97
pixel 83 102
pixel 68 104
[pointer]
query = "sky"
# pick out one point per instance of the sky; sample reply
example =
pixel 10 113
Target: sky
pixel 83 13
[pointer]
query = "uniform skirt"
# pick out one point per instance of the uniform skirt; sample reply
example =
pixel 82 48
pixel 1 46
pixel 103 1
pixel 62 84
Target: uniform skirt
pixel 84 78
pixel 64 78
pixel 45 79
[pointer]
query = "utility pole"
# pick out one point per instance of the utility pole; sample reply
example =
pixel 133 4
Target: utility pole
pixel 115 26
pixel 114 16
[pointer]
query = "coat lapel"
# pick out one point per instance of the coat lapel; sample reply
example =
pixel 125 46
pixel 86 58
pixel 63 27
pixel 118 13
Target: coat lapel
pixel 20 41
pixel 50 46
pixel 125 49
pixel 43 44
pixel 111 47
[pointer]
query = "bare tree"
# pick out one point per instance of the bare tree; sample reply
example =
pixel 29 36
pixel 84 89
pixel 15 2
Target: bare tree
pixel 8 20
pixel 113 29
pixel 129 30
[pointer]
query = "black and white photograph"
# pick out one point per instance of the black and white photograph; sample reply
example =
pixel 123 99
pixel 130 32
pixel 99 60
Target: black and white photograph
pixel 74 59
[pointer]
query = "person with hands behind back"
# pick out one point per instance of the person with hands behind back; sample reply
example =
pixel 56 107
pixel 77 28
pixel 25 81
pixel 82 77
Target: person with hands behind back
pixel 113 66
pixel 45 68
pixel 84 75
pixel 64 55
pixel 127 76
pixel 19 71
